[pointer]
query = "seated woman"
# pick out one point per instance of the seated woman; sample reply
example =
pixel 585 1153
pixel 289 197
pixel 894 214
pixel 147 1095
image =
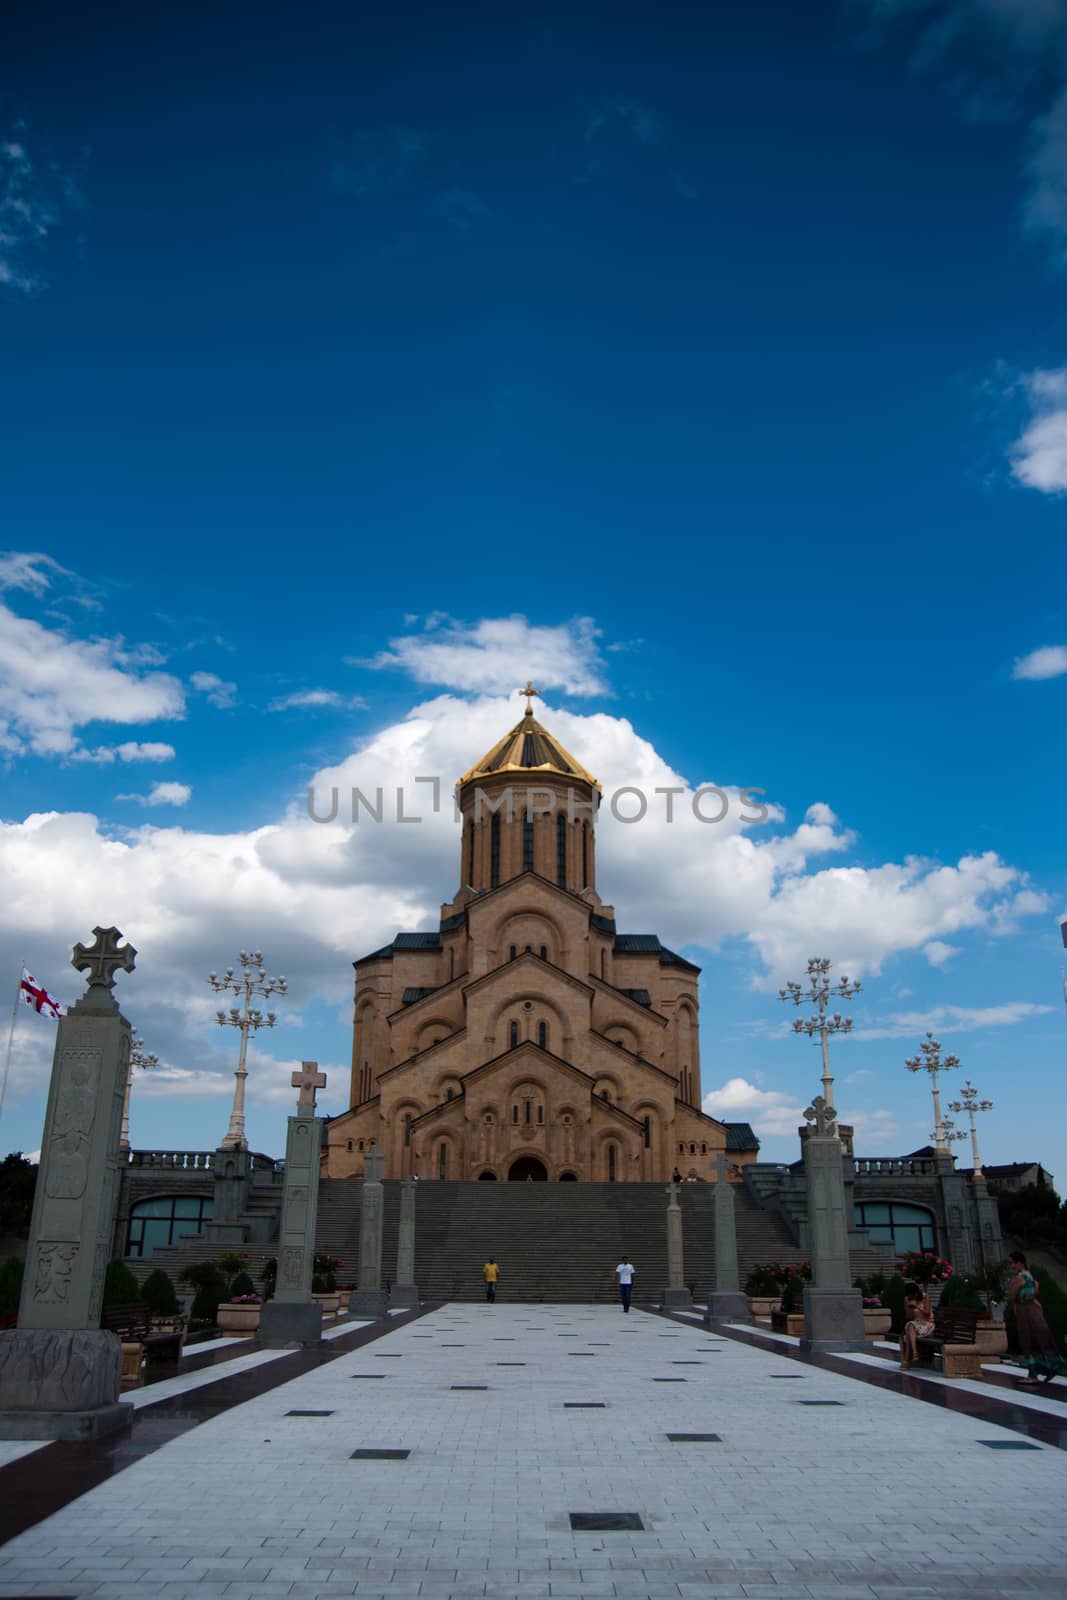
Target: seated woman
pixel 919 1323
pixel 1043 1360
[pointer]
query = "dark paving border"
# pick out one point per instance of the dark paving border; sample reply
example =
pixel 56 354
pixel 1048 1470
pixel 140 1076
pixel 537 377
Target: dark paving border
pixel 48 1479
pixel 996 1407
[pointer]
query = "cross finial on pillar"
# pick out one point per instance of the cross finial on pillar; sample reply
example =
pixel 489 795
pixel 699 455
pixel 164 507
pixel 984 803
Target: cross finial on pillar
pixel 823 1116
pixel 103 958
pixel 529 692
pixel 307 1080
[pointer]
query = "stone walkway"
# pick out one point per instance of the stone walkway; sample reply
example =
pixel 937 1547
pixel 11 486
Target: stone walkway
pixel 819 1486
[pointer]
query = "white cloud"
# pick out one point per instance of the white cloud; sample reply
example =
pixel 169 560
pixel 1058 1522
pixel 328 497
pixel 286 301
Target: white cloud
pixel 29 570
pixel 309 699
pixel 106 755
pixel 219 692
pixel 33 198
pixel 951 1019
pixel 937 952
pixel 490 655
pixel 161 794
pixel 317 896
pixel 1048 662
pixel 51 685
pixel 770 1111
pixel 168 794
pixel 1039 455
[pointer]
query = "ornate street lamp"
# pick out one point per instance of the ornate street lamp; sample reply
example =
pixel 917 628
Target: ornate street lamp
pixel 138 1058
pixel 818 994
pixel 969 1102
pixel 251 981
pixel 930 1061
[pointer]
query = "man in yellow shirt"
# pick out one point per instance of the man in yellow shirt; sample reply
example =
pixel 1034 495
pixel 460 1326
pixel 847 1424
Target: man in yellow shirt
pixel 490 1272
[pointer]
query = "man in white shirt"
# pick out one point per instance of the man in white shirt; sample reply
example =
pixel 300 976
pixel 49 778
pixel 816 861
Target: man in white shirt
pixel 624 1272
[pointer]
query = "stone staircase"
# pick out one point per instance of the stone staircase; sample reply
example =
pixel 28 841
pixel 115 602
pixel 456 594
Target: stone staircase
pixel 554 1242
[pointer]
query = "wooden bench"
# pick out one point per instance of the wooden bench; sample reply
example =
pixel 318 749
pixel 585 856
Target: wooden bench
pixel 144 1338
pixel 955 1337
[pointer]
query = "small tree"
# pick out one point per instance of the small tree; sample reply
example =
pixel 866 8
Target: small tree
pixel 18 1183
pixel 241 1286
pixel 120 1286
pixel 159 1295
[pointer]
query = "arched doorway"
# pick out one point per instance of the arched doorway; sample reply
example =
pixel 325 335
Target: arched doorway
pixel 527 1167
pixel 487 1177
pixel 568 1177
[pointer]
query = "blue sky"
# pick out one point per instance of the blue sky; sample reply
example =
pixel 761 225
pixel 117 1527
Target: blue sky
pixel 361 357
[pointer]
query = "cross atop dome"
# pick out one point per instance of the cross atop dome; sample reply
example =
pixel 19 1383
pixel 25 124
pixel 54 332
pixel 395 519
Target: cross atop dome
pixel 529 692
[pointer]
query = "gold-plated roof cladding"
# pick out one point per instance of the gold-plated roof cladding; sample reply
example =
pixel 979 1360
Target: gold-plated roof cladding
pixel 528 749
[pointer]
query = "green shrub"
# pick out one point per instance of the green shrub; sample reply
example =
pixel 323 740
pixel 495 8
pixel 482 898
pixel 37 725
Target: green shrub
pixel 963 1293
pixel 893 1297
pixel 205 1307
pixel 202 1275
pixel 158 1294
pixel 11 1274
pixel 242 1284
pixel 120 1286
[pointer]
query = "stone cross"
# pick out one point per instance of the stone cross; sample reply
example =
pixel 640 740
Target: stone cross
pixel 103 958
pixel 58 1364
pixel 726 1303
pixel 307 1080
pixel 369 1299
pixel 833 1309
pixel 676 1294
pixel 403 1291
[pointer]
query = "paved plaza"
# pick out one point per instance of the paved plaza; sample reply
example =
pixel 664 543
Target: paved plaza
pixel 516 1418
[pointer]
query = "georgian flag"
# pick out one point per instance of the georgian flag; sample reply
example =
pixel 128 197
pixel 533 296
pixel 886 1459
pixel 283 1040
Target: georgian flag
pixel 37 996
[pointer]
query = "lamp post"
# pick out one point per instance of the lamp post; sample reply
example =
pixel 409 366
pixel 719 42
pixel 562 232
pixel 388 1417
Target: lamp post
pixel 930 1061
pixel 138 1058
pixel 252 980
pixel 969 1102
pixel 818 994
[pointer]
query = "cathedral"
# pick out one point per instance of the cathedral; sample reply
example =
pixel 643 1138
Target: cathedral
pixel 527 1038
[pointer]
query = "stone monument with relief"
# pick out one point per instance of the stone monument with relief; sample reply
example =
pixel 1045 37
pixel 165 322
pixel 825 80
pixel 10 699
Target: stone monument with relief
pixel 293 1317
pixel 833 1309
pixel 60 1372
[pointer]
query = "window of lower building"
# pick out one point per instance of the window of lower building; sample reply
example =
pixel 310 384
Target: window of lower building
pixel 611 1163
pixel 513 1034
pixel 895 1222
pixel 442 1160
pixel 157 1223
pixel 542 1035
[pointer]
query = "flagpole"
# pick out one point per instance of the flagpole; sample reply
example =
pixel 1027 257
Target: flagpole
pixel 11 1036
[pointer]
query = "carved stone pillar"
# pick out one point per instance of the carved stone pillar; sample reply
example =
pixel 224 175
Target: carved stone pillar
pixel 404 1291
pixel 676 1296
pixel 293 1317
pixel 369 1298
pixel 833 1309
pixel 60 1374
pixel 725 1302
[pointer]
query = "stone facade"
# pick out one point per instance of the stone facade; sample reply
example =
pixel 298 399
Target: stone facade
pixel 527 1036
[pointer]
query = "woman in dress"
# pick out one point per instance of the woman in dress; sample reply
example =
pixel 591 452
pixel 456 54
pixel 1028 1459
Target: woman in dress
pixel 1043 1360
pixel 919 1323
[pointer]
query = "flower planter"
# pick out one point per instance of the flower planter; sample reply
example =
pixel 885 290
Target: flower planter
pixel 991 1338
pixel 791 1322
pixel 342 1301
pixel 877 1322
pixel 235 1318
pixel 329 1302
pixel 761 1305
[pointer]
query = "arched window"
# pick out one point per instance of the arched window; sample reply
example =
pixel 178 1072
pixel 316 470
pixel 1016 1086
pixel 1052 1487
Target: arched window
pixel 407 1128
pixel 155 1224
pixel 540 1113
pixel 611 1163
pixel 350 1145
pixel 527 843
pixel 442 1160
pixel 585 854
pixel 527 1104
pixel 544 952
pixel 494 850
pixel 904 1226
pixel 449 1093
pixel 542 1035
pixel 515 1113
pixel 513 1033
pixel 512 952
pixel 692 1149
pixel 561 850
pixel 647 1123
pixel 470 854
